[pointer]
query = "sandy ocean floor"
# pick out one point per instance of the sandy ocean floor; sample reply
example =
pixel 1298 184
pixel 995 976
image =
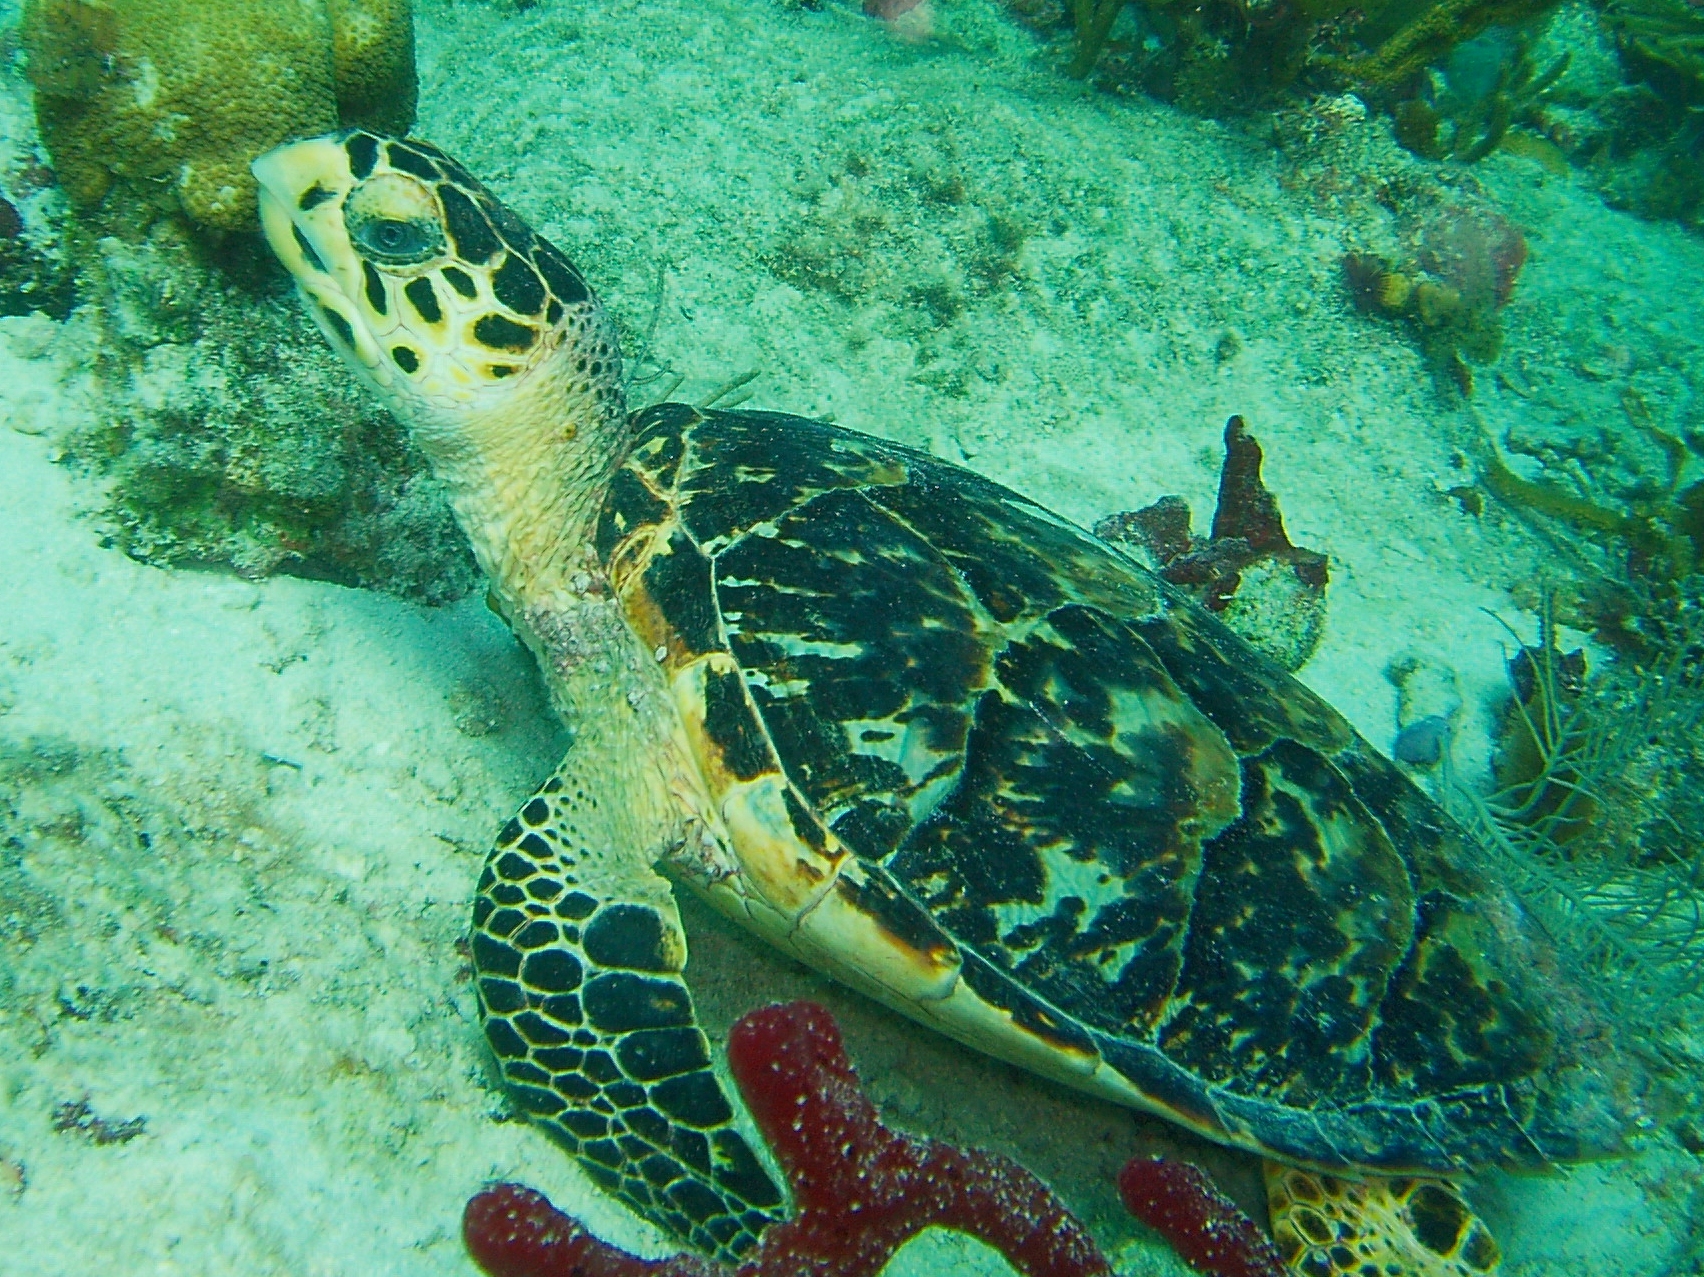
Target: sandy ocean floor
pixel 240 821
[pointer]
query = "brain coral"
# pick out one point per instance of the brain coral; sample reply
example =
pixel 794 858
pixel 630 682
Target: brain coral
pixel 173 98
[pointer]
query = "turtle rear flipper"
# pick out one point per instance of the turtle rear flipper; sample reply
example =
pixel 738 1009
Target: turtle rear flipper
pixel 1330 1226
pixel 578 951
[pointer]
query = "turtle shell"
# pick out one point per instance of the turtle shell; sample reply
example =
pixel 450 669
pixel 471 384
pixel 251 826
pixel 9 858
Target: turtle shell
pixel 981 765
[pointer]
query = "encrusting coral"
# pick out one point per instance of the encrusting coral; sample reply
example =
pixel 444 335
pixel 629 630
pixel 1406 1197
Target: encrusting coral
pixel 176 97
pixel 1465 260
pixel 1247 571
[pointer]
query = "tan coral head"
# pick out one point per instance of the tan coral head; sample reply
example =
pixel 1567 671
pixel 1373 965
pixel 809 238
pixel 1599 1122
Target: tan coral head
pixel 439 296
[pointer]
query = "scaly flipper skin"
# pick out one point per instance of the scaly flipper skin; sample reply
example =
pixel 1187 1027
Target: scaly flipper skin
pixel 580 986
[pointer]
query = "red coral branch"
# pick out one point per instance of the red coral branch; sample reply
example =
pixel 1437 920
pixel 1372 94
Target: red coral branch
pixel 1178 1201
pixel 862 1190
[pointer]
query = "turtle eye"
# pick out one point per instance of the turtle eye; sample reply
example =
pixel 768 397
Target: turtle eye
pixel 391 241
pixel 392 221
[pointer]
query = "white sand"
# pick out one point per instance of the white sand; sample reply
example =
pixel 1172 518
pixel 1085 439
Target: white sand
pixel 270 977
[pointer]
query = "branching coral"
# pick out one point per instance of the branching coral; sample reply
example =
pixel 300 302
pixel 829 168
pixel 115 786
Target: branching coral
pixel 1666 33
pixel 1426 36
pixel 861 1189
pixel 1663 530
pixel 1443 122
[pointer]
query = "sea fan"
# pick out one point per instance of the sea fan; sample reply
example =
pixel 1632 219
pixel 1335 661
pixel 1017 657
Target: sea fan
pixel 1596 824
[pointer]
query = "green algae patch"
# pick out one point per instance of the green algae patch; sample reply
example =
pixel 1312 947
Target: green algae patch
pixel 171 99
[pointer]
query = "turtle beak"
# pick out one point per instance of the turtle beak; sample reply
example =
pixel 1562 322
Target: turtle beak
pixel 298 180
pixel 302 189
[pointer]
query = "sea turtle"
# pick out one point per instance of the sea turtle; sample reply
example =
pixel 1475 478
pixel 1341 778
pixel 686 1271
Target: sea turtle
pixel 932 739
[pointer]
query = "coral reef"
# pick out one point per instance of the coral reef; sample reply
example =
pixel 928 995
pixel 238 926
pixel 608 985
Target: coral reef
pixel 1486 87
pixel 860 1189
pixel 1402 37
pixel 171 99
pixel 1662 528
pixel 1268 590
pixel 33 276
pixel 232 436
pixel 1463 260
pixel 1179 1201
pixel 907 235
pixel 1595 815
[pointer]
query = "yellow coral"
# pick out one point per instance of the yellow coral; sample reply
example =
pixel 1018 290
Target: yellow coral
pixel 372 55
pixel 173 98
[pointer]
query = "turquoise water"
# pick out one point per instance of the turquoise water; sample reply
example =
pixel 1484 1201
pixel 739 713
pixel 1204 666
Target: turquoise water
pixel 257 724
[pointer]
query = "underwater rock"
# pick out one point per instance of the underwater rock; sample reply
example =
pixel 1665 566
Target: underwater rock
pixel 1463 259
pixel 1269 591
pixel 1428 702
pixel 861 1189
pixel 173 98
pixel 230 436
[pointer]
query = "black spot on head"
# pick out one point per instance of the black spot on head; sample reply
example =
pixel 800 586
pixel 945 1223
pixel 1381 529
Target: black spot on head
pixel 517 286
pixel 363 152
pixel 313 197
pixel 307 249
pixel 461 281
pixel 405 359
pixel 423 299
pixel 471 235
pixel 553 312
pixel 497 332
pixel 374 287
pixel 500 371
pixel 536 812
pixel 412 161
pixel 339 325
pixel 516 233
pixel 560 275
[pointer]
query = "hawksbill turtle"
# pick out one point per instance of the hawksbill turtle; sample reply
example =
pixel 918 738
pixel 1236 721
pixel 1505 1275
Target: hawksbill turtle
pixel 937 742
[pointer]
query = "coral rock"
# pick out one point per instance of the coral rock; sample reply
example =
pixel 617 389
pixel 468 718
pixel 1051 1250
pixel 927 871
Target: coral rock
pixel 1269 591
pixel 179 95
pixel 860 1189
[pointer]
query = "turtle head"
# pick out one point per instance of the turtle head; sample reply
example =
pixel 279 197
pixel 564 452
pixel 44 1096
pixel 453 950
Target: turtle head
pixel 476 331
pixel 443 299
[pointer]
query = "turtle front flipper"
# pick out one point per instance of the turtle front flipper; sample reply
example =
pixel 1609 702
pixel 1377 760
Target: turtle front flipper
pixel 1335 1226
pixel 579 952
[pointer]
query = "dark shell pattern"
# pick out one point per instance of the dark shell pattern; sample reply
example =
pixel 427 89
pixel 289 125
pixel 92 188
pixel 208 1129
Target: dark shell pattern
pixel 1137 839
